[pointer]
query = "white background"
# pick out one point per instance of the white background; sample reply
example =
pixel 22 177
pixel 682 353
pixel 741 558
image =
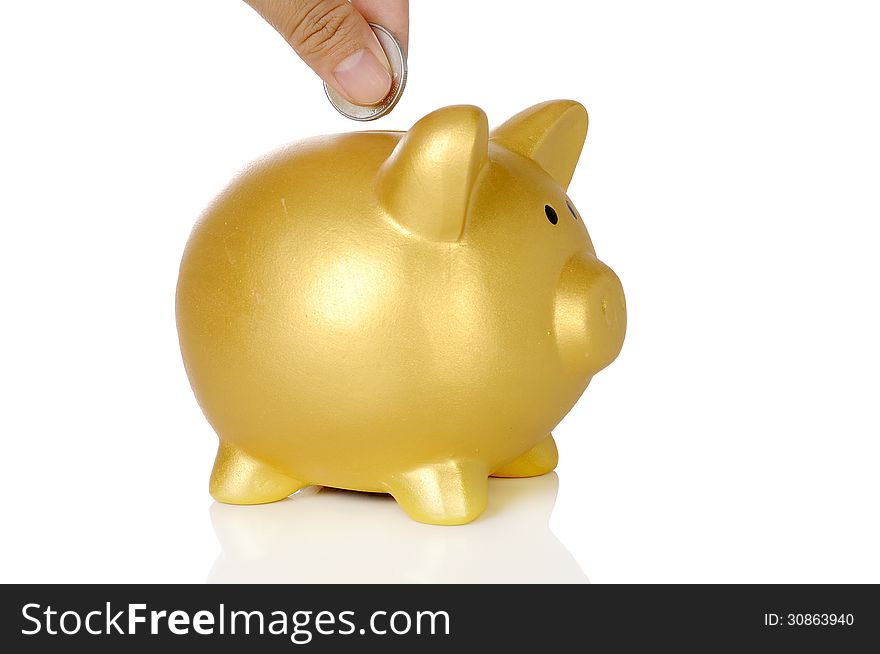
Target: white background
pixel 730 177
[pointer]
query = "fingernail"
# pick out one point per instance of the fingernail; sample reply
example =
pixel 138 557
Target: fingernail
pixel 362 78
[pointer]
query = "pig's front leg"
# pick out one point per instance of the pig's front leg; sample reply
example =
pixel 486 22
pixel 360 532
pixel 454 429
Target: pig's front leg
pixel 447 493
pixel 539 460
pixel 238 478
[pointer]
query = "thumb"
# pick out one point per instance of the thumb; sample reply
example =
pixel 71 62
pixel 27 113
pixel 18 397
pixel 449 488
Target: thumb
pixel 335 41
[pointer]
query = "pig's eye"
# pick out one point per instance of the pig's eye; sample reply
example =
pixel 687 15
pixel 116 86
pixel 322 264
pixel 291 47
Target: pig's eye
pixel 571 208
pixel 551 214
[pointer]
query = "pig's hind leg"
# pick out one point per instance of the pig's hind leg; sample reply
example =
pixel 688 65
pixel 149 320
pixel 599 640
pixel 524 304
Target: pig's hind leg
pixel 238 478
pixel 448 493
pixel 539 460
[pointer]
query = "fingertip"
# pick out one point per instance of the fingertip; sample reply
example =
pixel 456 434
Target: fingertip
pixel 362 78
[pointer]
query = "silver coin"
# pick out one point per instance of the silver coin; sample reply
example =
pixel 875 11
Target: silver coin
pixel 397 59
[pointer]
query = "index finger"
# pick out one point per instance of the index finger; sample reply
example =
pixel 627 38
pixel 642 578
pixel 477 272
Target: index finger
pixel 393 15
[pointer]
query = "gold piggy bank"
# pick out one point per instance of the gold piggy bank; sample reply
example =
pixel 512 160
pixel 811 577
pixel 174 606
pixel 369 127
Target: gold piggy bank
pixel 398 312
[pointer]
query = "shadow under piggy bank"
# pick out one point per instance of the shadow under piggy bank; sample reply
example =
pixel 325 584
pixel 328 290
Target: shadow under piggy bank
pixel 324 535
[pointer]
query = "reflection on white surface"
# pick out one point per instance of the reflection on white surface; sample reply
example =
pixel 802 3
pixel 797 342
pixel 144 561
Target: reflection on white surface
pixel 327 535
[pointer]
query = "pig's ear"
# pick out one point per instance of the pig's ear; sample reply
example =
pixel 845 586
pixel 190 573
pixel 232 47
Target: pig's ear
pixel 426 183
pixel 551 134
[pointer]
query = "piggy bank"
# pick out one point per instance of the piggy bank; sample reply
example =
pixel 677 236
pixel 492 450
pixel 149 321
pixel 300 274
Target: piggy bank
pixel 398 312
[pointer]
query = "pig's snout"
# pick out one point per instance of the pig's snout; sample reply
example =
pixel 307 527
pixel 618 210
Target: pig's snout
pixel 590 314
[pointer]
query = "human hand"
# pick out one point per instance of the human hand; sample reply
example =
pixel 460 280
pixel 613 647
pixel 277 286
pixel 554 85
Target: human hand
pixel 334 39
